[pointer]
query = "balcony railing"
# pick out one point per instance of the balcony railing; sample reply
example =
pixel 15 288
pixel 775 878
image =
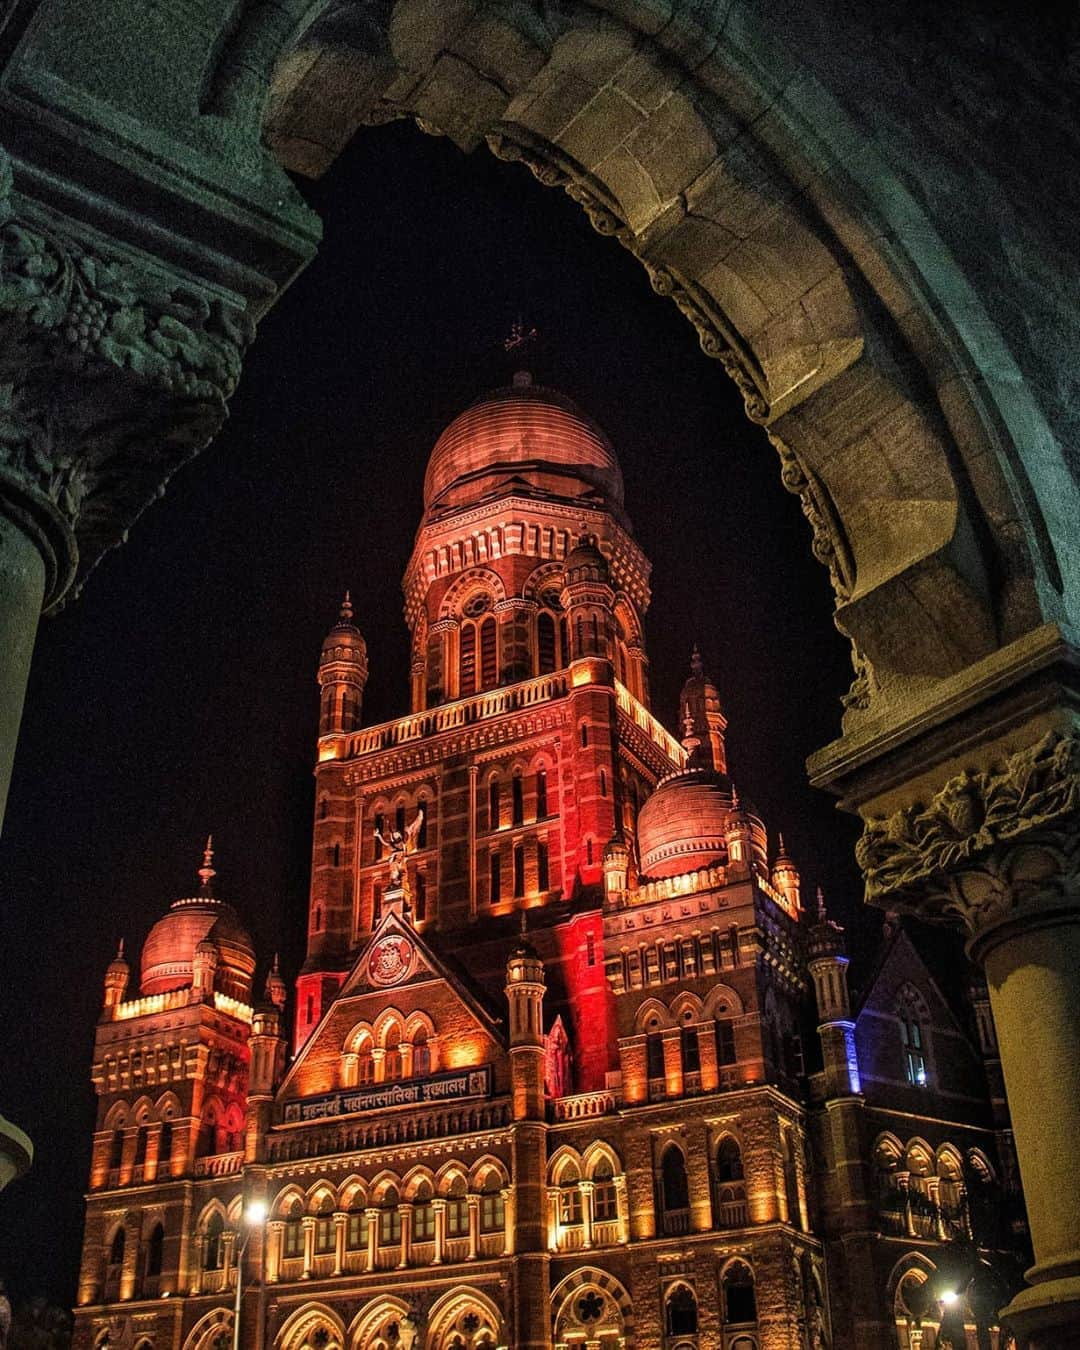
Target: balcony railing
pixel 675 1222
pixel 463 712
pixel 656 731
pixel 219 1165
pixel 584 1105
pixel 313 1141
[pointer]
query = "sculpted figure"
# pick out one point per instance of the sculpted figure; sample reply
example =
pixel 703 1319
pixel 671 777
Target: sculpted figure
pixel 399 845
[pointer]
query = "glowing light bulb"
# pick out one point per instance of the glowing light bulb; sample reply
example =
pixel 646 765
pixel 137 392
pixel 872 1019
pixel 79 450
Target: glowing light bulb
pixel 949 1297
pixel 255 1212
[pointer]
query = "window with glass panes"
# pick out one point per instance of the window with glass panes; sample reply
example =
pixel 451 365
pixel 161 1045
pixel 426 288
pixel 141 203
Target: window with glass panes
pixel 324 1233
pixel 356 1230
pixel 605 1197
pixel 492 1210
pixel 457 1214
pixel 389 1220
pixel 725 1043
pixel 423 1220
pixel 914 1055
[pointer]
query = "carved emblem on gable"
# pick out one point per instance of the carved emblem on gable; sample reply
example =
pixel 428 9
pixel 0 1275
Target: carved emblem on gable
pixel 390 961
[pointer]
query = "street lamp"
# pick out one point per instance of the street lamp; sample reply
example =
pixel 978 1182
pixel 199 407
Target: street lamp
pixel 254 1216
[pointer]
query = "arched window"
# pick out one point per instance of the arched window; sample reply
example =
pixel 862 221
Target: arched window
pixel 729 1163
pixel 457 1209
pixel 467 660
pixel 365 1062
pixel 517 800
pixel 911 1037
pixel 140 1145
pixel 674 1191
pixel 489 654
pixel 115 1265
pixel 421 1055
pixel 214 1243
pixel 399 818
pixel 519 869
pixel 569 1196
pixel 324 1227
pixel 423 1215
pixel 389 1218
pixel 740 1300
pixel 541 794
pixel 293 1244
pixel 725 1043
pixel 165 1145
pixel 691 1050
pixel 155 1251
pixel 654 1055
pixel 543 867
pixel 545 643
pixel 116 1150
pixel 356 1228
pixel 420 896
pixel 392 1063
pixel 379 832
pixel 493 804
pixel 495 880
pixel 605 1196
pixel 680 1311
pixel 492 1208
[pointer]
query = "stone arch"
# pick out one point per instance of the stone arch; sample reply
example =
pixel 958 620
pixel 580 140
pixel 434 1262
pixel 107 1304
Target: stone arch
pixel 615 1316
pixel 213 1331
pixel 372 1319
pixel 600 1151
pixel 564 1165
pixel 723 1001
pixel 472 579
pixel 447 1314
pixel 116 1117
pixel 357 1036
pixel 547 575
pixel 483 1168
pixel 804 305
pixel 915 1267
pixel 386 1023
pixel 317 1193
pixel 297 1329
pixel 352 1193
pixel 167 1106
pixel 687 1007
pixel 414 1178
pixel 142 1111
pixel 286 1199
pixel 381 1183
pixel 650 1009
pixel 448 1174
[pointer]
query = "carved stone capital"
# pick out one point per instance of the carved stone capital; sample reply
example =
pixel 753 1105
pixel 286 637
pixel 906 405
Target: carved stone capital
pixel 113 373
pixel 986 844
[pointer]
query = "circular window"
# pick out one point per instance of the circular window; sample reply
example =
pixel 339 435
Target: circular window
pixel 476 604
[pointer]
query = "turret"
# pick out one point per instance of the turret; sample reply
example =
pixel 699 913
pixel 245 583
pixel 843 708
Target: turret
pixel 616 866
pixel 203 968
pixel 704 722
pixel 116 979
pixel 267 1062
pixel 828 965
pixel 785 877
pixel 525 988
pixel 588 599
pixel 739 834
pixel 343 672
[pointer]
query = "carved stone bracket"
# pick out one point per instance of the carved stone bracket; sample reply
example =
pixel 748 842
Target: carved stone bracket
pixel 112 374
pixel 987 842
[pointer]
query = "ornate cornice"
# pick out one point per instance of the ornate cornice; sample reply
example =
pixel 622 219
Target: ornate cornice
pixel 112 374
pixel 987 843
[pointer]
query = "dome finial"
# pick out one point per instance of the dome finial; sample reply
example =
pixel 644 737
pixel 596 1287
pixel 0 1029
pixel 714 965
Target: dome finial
pixel 120 951
pixel 206 871
pixel 696 665
pixel 346 609
pixel 822 915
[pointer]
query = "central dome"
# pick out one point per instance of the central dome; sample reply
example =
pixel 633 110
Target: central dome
pixel 169 951
pixel 527 433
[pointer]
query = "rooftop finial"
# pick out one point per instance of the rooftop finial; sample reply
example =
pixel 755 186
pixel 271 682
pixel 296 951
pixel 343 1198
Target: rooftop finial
pixel 520 335
pixel 688 723
pixel 522 921
pixel 346 608
pixel 696 665
pixel 822 916
pixel 120 951
pixel 206 871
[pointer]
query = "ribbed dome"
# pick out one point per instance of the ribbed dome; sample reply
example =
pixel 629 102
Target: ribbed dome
pixel 526 432
pixel 683 826
pixel 170 947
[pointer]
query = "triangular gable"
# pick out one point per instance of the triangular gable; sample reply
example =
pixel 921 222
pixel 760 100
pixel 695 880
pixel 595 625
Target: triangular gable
pixel 902 963
pixel 395 961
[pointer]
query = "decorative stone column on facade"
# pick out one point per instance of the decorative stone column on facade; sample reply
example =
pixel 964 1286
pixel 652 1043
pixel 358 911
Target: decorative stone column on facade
pixel 372 1216
pixel 673 1067
pixel 405 1211
pixel 307 1227
pixel 275 1242
pixel 622 1205
pixel 438 1207
pixel 509 1219
pixel 586 1188
pixel 349 1069
pixel 341 1223
pixel 473 1201
pixel 228 1243
pixel 996 846
pixel 553 1218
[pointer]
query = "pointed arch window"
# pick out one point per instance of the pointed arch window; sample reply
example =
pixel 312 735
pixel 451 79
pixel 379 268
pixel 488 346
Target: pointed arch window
pixel 691 1050
pixel 489 653
pixel 543 867
pixel 545 643
pixel 421 1055
pixel 116 1150
pixel 467 661
pixel 681 1311
pixel 356 1229
pixel 423 1216
pixel 541 794
pixel 492 1205
pixel 519 870
pixel 654 1055
pixel 324 1228
pixel 389 1219
pixel 115 1265
pixel 293 1244
pixel 605 1196
pixel 165 1145
pixel 674 1191
pixel 740 1298
pixel 155 1251
pixel 725 1043
pixel 517 800
pixel 214 1243
pixel 911 1037
pixel 494 804
pixel 141 1140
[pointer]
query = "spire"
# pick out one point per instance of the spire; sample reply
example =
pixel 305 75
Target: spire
pixel 206 871
pixel 821 913
pixel 119 951
pixel 346 615
pixel 697 666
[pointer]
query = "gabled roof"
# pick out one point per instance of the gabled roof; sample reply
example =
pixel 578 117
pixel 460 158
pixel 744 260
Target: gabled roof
pixel 898 946
pixel 396 957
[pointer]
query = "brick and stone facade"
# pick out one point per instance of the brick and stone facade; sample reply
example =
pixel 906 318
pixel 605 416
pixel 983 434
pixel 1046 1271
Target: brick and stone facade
pixel 551 1077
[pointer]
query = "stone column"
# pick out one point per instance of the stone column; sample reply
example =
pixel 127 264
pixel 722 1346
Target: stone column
pixel 473 1202
pixel 439 1208
pixel 406 1211
pixel 622 1203
pixel 372 1215
pixel 228 1242
pixel 997 847
pixel 586 1188
pixel 509 1219
pixel 474 772
pixel 275 1240
pixel 673 1069
pixel 349 1063
pixel 341 1221
pixel 307 1225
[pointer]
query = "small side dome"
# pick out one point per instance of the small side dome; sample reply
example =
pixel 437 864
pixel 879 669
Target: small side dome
pixel 585 562
pixel 344 642
pixel 683 826
pixel 168 954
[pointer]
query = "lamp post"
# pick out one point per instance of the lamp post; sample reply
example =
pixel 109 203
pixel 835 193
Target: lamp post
pixel 254 1216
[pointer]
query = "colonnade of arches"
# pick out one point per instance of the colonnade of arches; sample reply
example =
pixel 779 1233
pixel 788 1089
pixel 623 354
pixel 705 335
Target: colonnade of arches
pixel 394 1047
pixel 922 1191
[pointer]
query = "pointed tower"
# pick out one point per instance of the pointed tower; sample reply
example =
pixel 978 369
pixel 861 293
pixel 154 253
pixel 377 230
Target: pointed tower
pixel 117 974
pixel 267 1062
pixel 343 672
pixel 525 988
pixel 785 877
pixel 828 964
pixel 703 718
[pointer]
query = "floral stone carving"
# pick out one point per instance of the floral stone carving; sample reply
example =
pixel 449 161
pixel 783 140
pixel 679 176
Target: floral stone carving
pixel 112 375
pixel 986 843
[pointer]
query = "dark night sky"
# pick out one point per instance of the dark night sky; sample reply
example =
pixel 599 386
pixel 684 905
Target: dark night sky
pixel 178 695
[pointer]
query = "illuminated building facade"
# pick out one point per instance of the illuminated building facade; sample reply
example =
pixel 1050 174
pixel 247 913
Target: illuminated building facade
pixel 571 1063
